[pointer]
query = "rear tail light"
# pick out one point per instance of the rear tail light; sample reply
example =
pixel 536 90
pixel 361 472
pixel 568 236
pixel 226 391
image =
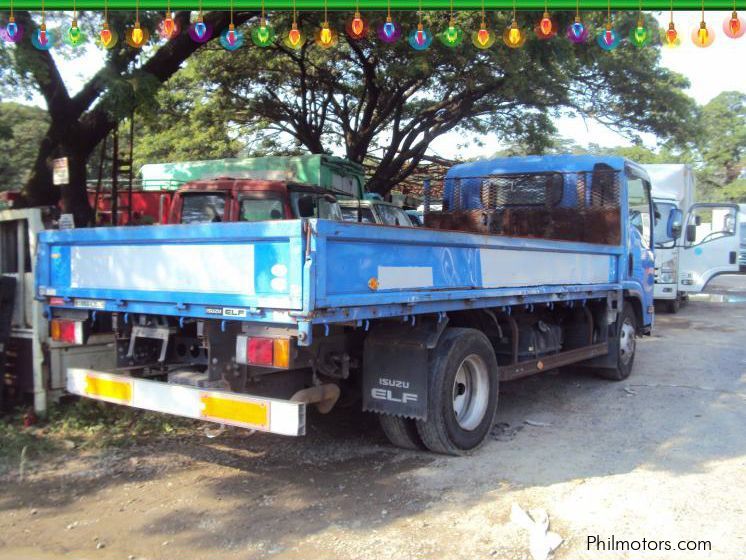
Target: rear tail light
pixel 260 351
pixel 70 332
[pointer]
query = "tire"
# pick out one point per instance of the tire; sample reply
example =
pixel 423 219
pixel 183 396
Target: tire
pixel 673 305
pixel 401 432
pixel 462 393
pixel 625 346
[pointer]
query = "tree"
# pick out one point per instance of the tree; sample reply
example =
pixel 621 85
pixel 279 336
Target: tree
pixel 367 98
pixel 21 130
pixel 722 146
pixel 77 123
pixel 183 124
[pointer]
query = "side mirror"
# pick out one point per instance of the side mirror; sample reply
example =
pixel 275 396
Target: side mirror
pixel 691 232
pixel 675 223
pixel 697 220
pixel 306 207
pixel 330 198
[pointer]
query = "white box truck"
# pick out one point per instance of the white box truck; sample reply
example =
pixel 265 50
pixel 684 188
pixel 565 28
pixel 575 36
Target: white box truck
pixel 694 242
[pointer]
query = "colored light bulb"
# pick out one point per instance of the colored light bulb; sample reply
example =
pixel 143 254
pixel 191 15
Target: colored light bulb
pixel 577 32
pixel 420 39
pixel 231 39
pixel 42 35
pixel 263 33
pixel 734 26
pixel 483 36
pixel 703 36
pixel 105 35
pixel 639 36
pixel 671 34
pixel 11 29
pixel 358 25
pixel 200 29
pixel 74 32
pixel 388 28
pixel 169 26
pixel 483 39
pixel 137 34
pixel 294 36
pixel 546 24
pixel 513 36
pixel 451 34
pixel 609 39
pixel 326 35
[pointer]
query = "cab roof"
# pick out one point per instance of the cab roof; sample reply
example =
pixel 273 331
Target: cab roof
pixel 536 164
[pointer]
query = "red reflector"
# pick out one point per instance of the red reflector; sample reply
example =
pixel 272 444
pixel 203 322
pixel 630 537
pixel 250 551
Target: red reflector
pixel 259 351
pixel 56 301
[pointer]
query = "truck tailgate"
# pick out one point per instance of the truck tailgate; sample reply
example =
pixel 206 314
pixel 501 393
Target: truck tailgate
pixel 246 265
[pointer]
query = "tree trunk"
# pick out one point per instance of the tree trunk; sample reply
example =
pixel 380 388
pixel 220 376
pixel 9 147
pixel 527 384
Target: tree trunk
pixel 75 194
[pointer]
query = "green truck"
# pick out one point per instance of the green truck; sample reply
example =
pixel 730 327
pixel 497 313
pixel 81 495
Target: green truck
pixel 321 170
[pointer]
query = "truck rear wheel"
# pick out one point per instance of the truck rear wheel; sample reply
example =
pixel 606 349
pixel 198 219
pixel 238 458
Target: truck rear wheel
pixel 625 346
pixel 673 305
pixel 402 432
pixel 462 393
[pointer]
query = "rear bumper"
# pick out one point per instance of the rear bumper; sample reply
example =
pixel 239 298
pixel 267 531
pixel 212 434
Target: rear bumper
pixel 223 407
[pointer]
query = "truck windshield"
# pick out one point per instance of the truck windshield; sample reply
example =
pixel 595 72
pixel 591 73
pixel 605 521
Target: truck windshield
pixel 322 208
pixel 355 214
pixel 662 239
pixel 256 209
pixel 199 208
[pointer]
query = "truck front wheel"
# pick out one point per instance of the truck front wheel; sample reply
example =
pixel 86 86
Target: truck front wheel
pixel 625 345
pixel 462 393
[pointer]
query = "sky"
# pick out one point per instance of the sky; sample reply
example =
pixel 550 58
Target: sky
pixel 720 67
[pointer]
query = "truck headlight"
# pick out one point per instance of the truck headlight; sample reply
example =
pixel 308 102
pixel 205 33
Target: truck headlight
pixel 666 276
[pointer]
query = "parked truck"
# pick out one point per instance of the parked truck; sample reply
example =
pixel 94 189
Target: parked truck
pixel 537 263
pixel 163 189
pixel 694 242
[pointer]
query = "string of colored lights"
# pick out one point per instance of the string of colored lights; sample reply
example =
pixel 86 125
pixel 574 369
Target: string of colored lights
pixel 357 28
pixel 371 5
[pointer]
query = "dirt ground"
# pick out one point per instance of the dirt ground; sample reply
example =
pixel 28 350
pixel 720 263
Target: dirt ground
pixel 661 456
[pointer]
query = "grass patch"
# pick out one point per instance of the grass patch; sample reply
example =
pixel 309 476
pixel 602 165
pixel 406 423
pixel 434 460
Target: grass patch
pixel 83 424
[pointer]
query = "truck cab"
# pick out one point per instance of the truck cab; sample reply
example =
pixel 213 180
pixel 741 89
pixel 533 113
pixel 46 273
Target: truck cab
pixel 250 200
pixel 694 242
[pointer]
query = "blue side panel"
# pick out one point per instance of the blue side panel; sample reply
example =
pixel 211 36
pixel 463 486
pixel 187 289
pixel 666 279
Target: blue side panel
pixel 368 265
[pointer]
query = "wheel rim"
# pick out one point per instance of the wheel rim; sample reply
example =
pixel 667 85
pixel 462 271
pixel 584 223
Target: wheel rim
pixel 471 392
pixel 627 342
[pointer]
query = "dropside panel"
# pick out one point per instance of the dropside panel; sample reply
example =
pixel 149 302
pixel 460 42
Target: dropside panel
pixel 246 265
pixel 369 265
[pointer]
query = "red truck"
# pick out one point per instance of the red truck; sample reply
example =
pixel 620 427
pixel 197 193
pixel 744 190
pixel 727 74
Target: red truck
pixel 250 200
pixel 223 200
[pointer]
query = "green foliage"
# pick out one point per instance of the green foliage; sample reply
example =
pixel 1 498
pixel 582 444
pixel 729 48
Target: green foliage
pixel 183 124
pixel 87 424
pixel 722 145
pixel 369 98
pixel 22 128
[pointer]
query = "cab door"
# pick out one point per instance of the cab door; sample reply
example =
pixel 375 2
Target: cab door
pixel 640 273
pixel 710 245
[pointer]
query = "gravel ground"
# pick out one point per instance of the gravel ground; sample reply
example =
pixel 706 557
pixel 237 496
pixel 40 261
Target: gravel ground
pixel 661 456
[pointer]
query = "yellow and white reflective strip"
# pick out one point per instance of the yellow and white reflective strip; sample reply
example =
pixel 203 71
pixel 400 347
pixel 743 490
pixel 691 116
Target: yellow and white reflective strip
pixel 245 411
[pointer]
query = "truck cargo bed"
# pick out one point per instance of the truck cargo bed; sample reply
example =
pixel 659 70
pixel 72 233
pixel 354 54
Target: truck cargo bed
pixel 311 271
